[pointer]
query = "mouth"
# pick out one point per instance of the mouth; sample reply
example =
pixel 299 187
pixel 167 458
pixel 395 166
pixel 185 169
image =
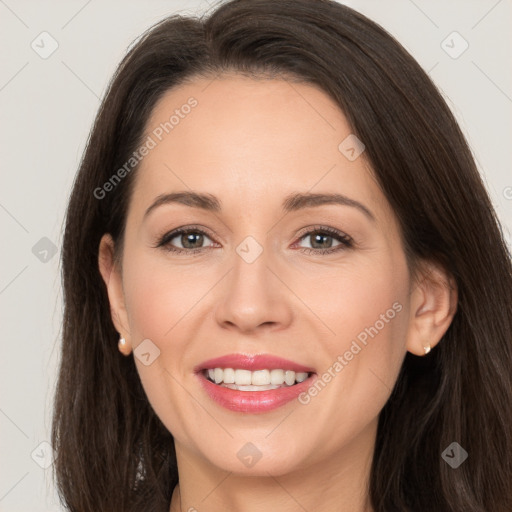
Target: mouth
pixel 253 383
pixel 259 380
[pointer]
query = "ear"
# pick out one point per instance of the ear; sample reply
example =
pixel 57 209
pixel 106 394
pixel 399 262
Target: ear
pixel 112 277
pixel 433 306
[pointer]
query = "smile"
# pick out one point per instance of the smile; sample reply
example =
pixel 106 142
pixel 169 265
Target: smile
pixel 259 380
pixel 253 384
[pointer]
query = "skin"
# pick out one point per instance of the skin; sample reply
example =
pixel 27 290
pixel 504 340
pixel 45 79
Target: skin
pixel 251 143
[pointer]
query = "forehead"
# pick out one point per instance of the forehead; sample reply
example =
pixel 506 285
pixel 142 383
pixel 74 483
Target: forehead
pixel 250 141
pixel 242 115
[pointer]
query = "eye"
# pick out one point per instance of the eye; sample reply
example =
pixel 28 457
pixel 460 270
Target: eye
pixel 187 239
pixel 191 239
pixel 321 240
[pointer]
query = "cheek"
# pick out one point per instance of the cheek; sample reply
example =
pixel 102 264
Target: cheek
pixel 366 293
pixel 158 297
pixel 365 308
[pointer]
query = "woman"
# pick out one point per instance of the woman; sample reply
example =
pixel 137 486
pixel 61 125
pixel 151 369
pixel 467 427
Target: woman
pixel 368 370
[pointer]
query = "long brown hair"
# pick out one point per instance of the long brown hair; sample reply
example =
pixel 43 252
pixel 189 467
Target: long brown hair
pixel 112 451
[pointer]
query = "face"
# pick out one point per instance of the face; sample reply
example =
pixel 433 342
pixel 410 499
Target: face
pixel 263 269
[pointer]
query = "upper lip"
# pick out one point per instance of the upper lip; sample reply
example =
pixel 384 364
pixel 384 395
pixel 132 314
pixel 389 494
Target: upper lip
pixel 252 362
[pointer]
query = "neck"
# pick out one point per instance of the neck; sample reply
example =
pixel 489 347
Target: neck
pixel 339 483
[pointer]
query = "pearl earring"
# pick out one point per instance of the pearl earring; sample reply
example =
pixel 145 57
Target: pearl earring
pixel 427 349
pixel 122 346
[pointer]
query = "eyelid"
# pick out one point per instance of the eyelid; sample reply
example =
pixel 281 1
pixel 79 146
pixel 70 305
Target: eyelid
pixel 162 240
pixel 324 229
pixel 346 241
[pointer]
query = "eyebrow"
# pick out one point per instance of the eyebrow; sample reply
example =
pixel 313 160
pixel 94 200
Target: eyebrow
pixel 292 202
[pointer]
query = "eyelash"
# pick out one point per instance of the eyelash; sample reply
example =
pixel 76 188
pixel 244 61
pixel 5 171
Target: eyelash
pixel 346 241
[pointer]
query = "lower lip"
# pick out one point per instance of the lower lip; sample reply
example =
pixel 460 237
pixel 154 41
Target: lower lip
pixel 253 401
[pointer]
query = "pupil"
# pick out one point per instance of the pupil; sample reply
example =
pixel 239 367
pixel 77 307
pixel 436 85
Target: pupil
pixel 186 238
pixel 324 237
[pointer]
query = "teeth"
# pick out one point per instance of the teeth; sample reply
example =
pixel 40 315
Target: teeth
pixel 301 376
pixel 249 388
pixel 229 376
pixel 277 377
pixel 242 377
pixel 260 378
pixel 257 380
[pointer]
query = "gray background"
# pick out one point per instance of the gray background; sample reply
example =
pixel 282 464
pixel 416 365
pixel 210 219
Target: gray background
pixel 47 107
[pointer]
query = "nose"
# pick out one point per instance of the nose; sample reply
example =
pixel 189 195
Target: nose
pixel 254 296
